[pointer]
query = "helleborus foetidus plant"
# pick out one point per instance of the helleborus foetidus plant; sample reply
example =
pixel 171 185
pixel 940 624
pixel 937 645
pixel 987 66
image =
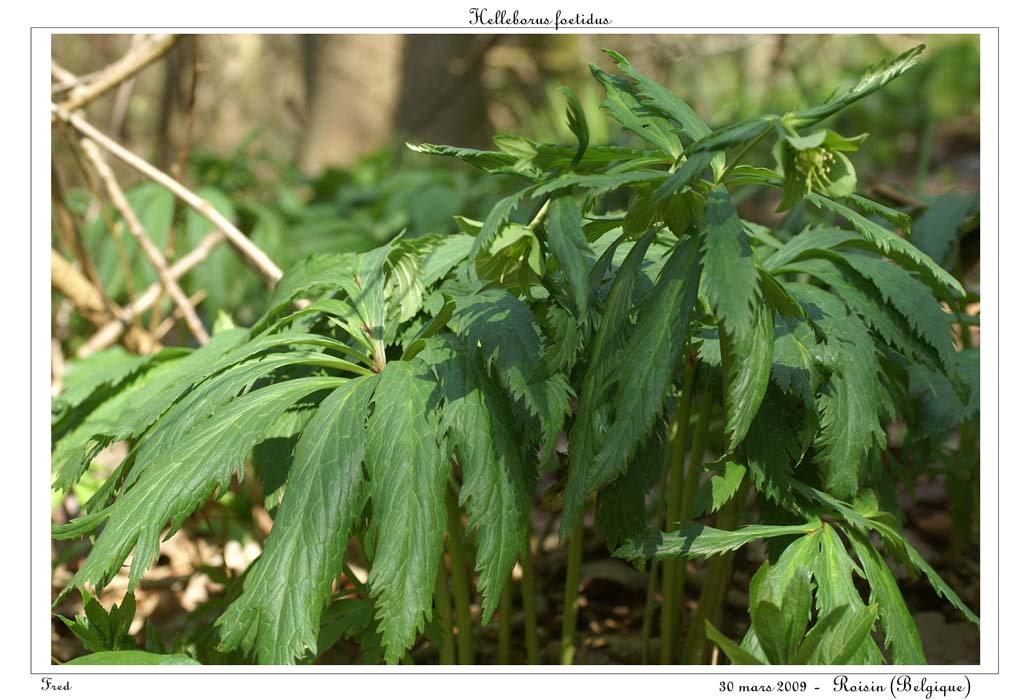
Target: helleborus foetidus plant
pixel 618 299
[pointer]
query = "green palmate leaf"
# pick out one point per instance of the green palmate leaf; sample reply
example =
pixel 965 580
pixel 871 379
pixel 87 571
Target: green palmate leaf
pixel 563 351
pixel 577 123
pixel 834 573
pixel 787 587
pixel 496 218
pixel 187 476
pixel 659 98
pixel 550 157
pixel 208 398
pixel 96 377
pixel 490 161
pixel 568 244
pixel 435 325
pixel 733 134
pixel 365 284
pixel 514 254
pixel 72 453
pixel 751 368
pixel 848 408
pixel 893 539
pixel 598 184
pixel 533 159
pixel 716 491
pixel 872 208
pixel 730 281
pixel 404 291
pixel 690 171
pixel 277 616
pixel 847 640
pixel 793 366
pixel 696 540
pixel 143 407
pixel 640 212
pixel 622 505
pixel 313 276
pixel 353 618
pixel 892 245
pixel 408 478
pixel 443 257
pixel 132 658
pixel 939 407
pixel 913 300
pixel 874 78
pixel 937 229
pixel 863 298
pixel 683 210
pixel 772 447
pixel 624 106
pixel 778 298
pixel 736 654
pixel 771 628
pixel 812 242
pixel 762 237
pixel 655 349
pixel 503 330
pixel 496 484
pixel 522 149
pixel 604 350
pixel 813 640
pixel 901 634
pixel 939 585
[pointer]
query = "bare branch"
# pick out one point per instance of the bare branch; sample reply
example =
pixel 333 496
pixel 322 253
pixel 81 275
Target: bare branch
pixel 74 285
pixel 164 327
pixel 110 332
pixel 135 227
pixel 250 252
pixel 113 75
pixel 89 302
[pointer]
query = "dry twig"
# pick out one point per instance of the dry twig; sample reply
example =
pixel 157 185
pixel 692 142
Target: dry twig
pixel 89 302
pixel 110 332
pixel 164 327
pixel 144 54
pixel 251 253
pixel 156 258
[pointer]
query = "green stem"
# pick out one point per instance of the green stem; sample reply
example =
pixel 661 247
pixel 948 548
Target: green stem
pixel 716 582
pixel 689 494
pixel 570 612
pixel 719 568
pixel 446 620
pixel 746 149
pixel 504 633
pixel 648 607
pixel 540 214
pixel 674 459
pixel 532 644
pixel 697 448
pixel 459 573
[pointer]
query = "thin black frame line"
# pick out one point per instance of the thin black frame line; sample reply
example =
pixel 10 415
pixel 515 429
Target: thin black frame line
pixel 495 673
pixel 533 30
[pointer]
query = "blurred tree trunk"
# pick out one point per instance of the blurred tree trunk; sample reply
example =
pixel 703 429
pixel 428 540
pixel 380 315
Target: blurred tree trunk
pixel 365 91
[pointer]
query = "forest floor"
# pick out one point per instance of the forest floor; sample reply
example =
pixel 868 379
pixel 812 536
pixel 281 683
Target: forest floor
pixel 612 594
